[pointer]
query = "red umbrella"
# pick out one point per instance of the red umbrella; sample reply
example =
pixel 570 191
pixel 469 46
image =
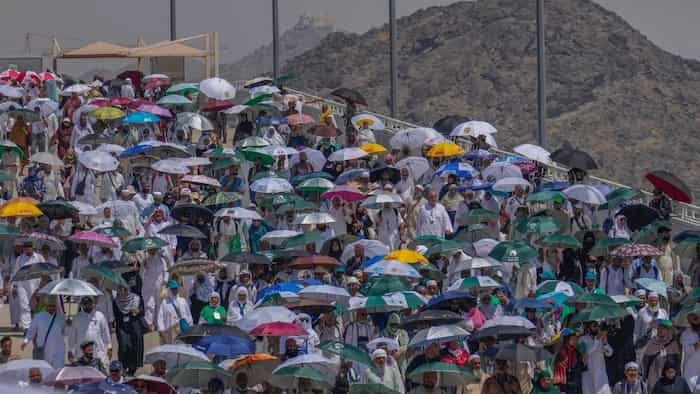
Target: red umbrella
pixel 278 329
pixel 154 83
pixel 634 250
pixel 322 130
pixel 48 76
pixel 120 101
pixel 217 105
pixel 9 75
pixel 345 193
pixel 101 102
pixel 671 185
pixel 300 119
pixel 134 104
pixel 313 261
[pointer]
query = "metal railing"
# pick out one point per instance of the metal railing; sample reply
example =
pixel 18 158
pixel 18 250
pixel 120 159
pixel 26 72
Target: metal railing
pixel 687 214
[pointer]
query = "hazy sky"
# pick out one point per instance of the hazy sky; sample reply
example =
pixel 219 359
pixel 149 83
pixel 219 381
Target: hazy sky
pixel 245 24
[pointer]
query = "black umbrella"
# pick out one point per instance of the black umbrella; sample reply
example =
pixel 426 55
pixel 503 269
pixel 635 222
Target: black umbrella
pixel 349 95
pixel 452 301
pixel 686 234
pixel 117 266
pixel 312 307
pixel 246 258
pixel 504 332
pixel 391 174
pixel 94 139
pixel 289 254
pixel 638 215
pixel 574 158
pixel 36 271
pixel 199 331
pixel 182 230
pixel 190 213
pixel 430 317
pixel 516 352
pixel 448 123
pixel 58 209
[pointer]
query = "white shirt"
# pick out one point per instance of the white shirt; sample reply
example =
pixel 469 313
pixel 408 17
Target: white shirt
pixel 78 133
pixel 168 316
pixel 142 201
pixel 90 327
pixel 434 220
pixel 54 348
pixel 128 91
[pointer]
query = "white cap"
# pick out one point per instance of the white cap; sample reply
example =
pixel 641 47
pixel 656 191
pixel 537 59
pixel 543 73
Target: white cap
pixel 353 280
pixel 185 192
pixel 378 353
pixel 654 295
pixel 422 249
pixel 631 365
pixel 640 292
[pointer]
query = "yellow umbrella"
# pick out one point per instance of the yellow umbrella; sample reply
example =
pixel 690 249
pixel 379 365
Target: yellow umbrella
pixel 445 149
pixel 19 209
pixel 107 113
pixel 374 149
pixel 406 256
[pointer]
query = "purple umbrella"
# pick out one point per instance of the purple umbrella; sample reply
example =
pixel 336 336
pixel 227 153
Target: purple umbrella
pixel 155 110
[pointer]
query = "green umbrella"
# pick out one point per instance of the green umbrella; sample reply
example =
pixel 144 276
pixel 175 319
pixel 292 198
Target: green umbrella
pixel 296 206
pixel 649 233
pixel 386 284
pixel 315 185
pixel 288 377
pixel 599 313
pixel 225 162
pixel 539 224
pixel 449 374
pixel 302 239
pixel 546 196
pixel 474 283
pixel 370 388
pixel 197 374
pixel 429 239
pixel 474 233
pixel 58 209
pixel 445 247
pixel 110 279
pixel 252 142
pixel 8 231
pixel 430 271
pixel 681 318
pixel 253 155
pixel 618 196
pixel 114 231
pixel 513 252
pixel 479 215
pixel 554 286
pixel 596 299
pixel 319 174
pixel 143 243
pixel 9 146
pixel 258 99
pixel 687 247
pixel 174 99
pixel 347 352
pixel 182 89
pixel 28 115
pixel 563 241
pixel 222 198
pixel 279 199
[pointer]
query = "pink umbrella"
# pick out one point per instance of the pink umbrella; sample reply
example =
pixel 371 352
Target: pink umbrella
pixel 157 83
pixel 48 76
pixel 133 104
pixel 278 329
pixel 634 250
pixel 345 193
pixel 300 119
pixel 9 75
pixel 120 101
pixel 155 110
pixel 101 102
pixel 92 238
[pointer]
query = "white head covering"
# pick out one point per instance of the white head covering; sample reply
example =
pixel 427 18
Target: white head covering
pixel 640 292
pixel 306 325
pixel 631 365
pixel 241 290
pixel 620 230
pixel 378 353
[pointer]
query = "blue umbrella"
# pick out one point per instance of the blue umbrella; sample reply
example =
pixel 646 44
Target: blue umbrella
pixel 558 298
pixel 135 150
pixel 478 184
pixel 532 303
pixel 461 170
pixel 349 176
pixel 288 287
pixel 141 117
pixel 552 186
pixel 512 159
pixel 372 261
pixel 226 346
pixel 103 386
pixel 271 120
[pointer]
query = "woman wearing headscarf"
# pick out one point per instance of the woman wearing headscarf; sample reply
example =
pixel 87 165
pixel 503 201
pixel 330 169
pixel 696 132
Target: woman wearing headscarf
pixel 239 306
pixel 199 297
pixel 671 382
pixel 130 327
pixel 543 384
pixel 213 313
pixel 156 222
pixel 661 349
pixel 310 342
pixel 393 330
pixel 620 229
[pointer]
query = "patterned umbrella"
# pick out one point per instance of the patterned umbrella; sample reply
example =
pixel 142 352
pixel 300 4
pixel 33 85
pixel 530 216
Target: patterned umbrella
pixel 635 250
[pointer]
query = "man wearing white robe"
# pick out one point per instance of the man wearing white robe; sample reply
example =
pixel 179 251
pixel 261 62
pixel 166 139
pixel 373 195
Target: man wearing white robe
pixel 404 187
pixel 154 272
pixel 144 198
pixel 239 306
pixel 80 130
pixel 171 311
pixel 22 290
pixel 433 218
pixel 47 335
pixel 80 262
pixel 90 325
pixel 341 215
pixel 595 378
pixel 389 226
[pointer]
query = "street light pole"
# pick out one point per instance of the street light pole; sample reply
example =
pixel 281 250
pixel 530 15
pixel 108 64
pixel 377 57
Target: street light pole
pixel 393 60
pixel 173 31
pixel 275 39
pixel 541 92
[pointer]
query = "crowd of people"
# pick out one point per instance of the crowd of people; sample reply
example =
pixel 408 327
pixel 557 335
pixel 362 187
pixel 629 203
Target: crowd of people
pixel 269 247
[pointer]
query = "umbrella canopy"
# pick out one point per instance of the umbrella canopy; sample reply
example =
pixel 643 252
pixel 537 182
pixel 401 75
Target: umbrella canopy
pixel 143 243
pixel 347 351
pixel 509 184
pixel 393 268
pixel 198 331
pixel 217 88
pixel 174 355
pixel 367 121
pixel 98 161
pixel 574 158
pixel 585 193
pixel 501 170
pixel 193 266
pixel 635 250
pixel 461 170
pixel 306 262
pixel 513 252
pixel 301 239
pixel 288 377
pixel 109 278
pixel 182 89
pixel 445 149
pixel 46 158
pixel 417 166
pixel 107 113
pixel 560 241
pixel 152 384
pixel 546 196
pixel 182 230
pixel 271 185
pixel 257 367
pixel 517 353
pixel 18 370
pixel 315 185
pixel 316 218
pixel 430 317
pixel 174 99
pixel 226 345
pixel 168 167
pixel 194 121
pixel 553 286
pixel 449 375
pixel 326 293
pixel 638 215
pixel 438 334
pixel 372 249
pixel 378 304
pixel 347 154
pixel 653 285
pixel 141 118
pixel 36 271
pixel 191 213
pixel 345 193
pixel 197 374
pixel 474 283
pixel 619 196
pixel 58 209
pixel 599 313
pixel 378 200
pixel 19 208
pixel 70 287
pixel 671 185
pixel 246 258
pixel 534 152
pixel 349 95
pixel 278 329
pixel 267 314
pixel 67 376
pixel 448 123
pixel 92 238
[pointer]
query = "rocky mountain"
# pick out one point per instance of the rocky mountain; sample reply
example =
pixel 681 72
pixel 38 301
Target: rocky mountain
pixel 611 91
pixel 304 35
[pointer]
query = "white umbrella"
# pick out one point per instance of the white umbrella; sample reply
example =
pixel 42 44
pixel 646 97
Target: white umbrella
pixel 413 138
pixel 500 170
pixel 347 154
pixel 238 213
pixel 83 208
pixel 534 152
pixel 393 268
pixel 266 314
pixel 277 150
pixel 113 149
pixel 383 342
pixel 417 166
pixel 313 156
pixel 372 249
pixel 257 81
pixel 98 161
pixel 217 88
pixel 439 334
pixel 265 89
pixel 191 161
pixel 509 184
pixel 315 218
pixel 85 109
pixel 46 106
pixel 471 263
pixel 585 193
pixel 10 105
pixel 515 321
pixel 372 122
pixel 154 76
pixel 18 370
pixel 377 201
pixel 201 180
pixel 12 92
pixel 326 366
pixel 174 355
pixel 194 121
pixel 70 287
pixel 46 158
pixel 276 237
pixel 169 167
pixel 271 185
pixel 78 88
pixel 484 246
pixel 473 128
pixel 120 209
pixel 325 293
